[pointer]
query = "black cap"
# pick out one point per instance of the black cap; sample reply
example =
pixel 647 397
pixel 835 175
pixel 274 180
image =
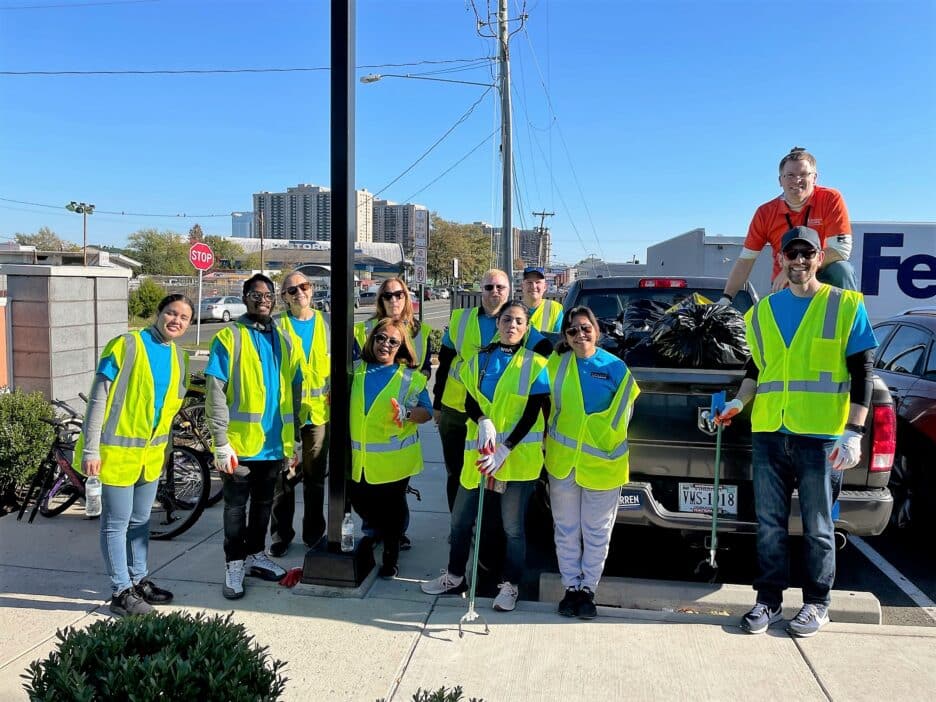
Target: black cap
pixel 534 269
pixel 804 234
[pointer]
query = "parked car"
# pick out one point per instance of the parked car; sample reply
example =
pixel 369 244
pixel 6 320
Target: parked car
pixel 429 294
pixel 321 300
pixel 368 297
pixel 906 361
pixel 224 308
pixel 443 293
pixel 414 298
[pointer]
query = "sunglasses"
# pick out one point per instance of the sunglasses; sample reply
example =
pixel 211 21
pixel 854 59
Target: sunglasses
pixel 795 253
pixel 258 296
pixel 586 329
pixel 490 286
pixel 293 289
pixel 395 295
pixel 388 340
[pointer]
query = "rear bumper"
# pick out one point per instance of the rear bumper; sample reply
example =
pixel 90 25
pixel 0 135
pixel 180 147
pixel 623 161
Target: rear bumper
pixel 858 512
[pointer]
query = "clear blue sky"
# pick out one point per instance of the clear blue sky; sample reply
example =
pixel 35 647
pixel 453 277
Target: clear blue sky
pixel 673 114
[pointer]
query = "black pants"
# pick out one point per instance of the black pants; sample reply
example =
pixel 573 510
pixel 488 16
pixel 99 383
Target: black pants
pixel 384 508
pixel 314 467
pixel 245 527
pixel 453 429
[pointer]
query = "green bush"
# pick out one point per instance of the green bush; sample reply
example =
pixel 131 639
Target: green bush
pixel 24 438
pixel 441 695
pixel 175 656
pixel 144 300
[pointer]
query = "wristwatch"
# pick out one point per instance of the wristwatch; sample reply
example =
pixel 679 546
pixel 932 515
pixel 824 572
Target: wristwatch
pixel 857 428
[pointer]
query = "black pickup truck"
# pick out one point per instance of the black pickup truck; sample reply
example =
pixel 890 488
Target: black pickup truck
pixel 672 460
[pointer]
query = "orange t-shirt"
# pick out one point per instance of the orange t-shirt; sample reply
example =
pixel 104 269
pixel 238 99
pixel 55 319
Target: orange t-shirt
pixel 827 214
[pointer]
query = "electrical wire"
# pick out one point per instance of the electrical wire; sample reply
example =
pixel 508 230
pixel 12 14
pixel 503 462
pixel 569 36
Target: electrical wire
pixel 450 168
pixel 181 215
pixel 70 6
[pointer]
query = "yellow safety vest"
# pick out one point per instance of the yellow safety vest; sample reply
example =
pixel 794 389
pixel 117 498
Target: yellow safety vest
pixel 545 317
pixel 420 342
pixel 594 444
pixel 129 443
pixel 510 399
pixel 465 333
pixel 316 368
pixel 381 451
pixel 805 387
pixel 246 391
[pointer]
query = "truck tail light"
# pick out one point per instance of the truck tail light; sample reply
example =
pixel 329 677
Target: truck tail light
pixel 662 283
pixel 883 438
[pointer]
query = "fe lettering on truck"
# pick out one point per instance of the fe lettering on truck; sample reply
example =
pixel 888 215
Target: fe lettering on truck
pixel 911 271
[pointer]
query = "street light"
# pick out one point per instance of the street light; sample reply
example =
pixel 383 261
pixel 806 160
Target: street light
pixel 374 77
pixel 84 210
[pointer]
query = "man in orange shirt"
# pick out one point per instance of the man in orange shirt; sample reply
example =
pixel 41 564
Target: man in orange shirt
pixel 802 203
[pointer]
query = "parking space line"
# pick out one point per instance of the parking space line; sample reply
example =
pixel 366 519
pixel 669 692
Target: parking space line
pixel 900 580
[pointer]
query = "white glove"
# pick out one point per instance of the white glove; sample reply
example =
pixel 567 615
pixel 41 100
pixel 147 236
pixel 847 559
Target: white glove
pixel 729 411
pixel 487 436
pixel 724 301
pixel 397 412
pixel 490 464
pixel 225 459
pixel 847 451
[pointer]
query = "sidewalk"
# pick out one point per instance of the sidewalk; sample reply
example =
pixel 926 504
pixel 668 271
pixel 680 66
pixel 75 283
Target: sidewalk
pixel 395 639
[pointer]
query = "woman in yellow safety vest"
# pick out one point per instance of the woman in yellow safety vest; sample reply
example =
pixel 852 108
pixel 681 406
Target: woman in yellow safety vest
pixel 139 386
pixel 388 400
pixel 592 394
pixel 507 388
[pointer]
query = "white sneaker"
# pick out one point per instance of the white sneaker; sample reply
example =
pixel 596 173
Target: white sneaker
pixel 233 580
pixel 445 584
pixel 259 565
pixel 506 599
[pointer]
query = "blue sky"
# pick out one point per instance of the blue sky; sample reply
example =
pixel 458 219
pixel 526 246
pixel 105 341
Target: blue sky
pixel 661 116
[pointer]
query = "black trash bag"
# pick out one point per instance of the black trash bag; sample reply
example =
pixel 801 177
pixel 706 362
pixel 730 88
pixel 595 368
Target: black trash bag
pixel 641 315
pixel 695 335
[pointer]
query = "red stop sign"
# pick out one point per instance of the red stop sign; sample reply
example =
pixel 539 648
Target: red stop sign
pixel 201 256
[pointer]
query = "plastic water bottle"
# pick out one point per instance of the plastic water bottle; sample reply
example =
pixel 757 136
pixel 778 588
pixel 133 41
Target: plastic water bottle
pixel 347 533
pixel 93 496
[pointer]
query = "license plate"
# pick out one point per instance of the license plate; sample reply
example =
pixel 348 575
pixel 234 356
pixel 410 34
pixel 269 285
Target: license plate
pixel 697 497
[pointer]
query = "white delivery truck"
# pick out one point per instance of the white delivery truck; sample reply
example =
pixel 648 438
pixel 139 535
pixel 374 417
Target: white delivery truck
pixel 895 263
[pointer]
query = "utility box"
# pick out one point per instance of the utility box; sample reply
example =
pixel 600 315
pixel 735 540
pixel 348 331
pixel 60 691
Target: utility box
pixel 60 319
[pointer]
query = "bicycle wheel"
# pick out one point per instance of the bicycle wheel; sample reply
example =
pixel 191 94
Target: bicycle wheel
pixel 60 496
pixel 180 496
pixel 191 431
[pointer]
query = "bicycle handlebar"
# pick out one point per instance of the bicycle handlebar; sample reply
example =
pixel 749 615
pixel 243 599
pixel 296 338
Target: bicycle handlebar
pixel 61 404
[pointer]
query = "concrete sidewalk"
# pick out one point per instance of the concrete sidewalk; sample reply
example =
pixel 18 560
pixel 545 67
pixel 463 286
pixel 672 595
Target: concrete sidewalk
pixel 395 639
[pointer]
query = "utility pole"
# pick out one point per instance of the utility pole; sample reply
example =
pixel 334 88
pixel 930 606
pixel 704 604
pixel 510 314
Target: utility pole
pixel 503 37
pixel 547 249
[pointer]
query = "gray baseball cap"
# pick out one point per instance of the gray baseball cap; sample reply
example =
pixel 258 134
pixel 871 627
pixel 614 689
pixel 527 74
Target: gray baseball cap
pixel 804 234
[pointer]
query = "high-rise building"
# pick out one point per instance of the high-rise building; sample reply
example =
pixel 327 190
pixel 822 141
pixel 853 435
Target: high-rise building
pixel 398 224
pixel 303 213
pixel 242 225
pixel 532 246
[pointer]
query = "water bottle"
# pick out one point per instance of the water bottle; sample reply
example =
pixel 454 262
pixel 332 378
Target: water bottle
pixel 347 533
pixel 93 496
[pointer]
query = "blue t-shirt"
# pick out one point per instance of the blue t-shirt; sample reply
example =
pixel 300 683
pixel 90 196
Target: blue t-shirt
pixel 268 348
pixel 376 378
pixel 600 376
pixel 788 311
pixel 491 365
pixel 160 363
pixel 305 328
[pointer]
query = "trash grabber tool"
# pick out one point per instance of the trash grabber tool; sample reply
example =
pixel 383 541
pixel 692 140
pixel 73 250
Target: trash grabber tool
pixel 716 407
pixel 471 615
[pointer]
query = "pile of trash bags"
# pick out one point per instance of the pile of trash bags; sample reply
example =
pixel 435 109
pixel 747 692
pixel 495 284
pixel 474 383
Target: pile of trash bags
pixel 694 333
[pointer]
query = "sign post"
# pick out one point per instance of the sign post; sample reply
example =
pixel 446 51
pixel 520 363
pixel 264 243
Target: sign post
pixel 421 263
pixel 202 257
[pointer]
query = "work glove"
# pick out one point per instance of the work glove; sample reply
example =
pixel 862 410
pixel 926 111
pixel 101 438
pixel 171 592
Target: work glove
pixel 487 436
pixel 728 412
pixel 398 412
pixel 724 301
pixel 225 459
pixel 489 464
pixel 846 452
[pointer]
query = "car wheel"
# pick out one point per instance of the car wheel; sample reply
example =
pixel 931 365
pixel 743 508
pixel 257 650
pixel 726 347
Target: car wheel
pixel 914 493
pixel 226 317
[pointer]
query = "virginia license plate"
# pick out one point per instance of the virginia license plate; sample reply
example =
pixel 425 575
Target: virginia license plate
pixel 697 497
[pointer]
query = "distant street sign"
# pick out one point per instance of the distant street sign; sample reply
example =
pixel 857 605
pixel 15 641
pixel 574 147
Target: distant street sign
pixel 201 256
pixel 420 276
pixel 455 268
pixel 422 238
pixel 420 255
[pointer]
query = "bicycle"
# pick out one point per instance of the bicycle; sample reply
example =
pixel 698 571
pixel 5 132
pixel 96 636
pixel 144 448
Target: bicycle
pixel 190 430
pixel 180 496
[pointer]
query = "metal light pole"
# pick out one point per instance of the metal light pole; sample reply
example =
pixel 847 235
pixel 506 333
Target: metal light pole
pixel 84 209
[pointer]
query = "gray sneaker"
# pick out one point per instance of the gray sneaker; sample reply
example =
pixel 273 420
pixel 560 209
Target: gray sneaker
pixel 809 620
pixel 760 617
pixel 129 602
pixel 260 566
pixel 233 580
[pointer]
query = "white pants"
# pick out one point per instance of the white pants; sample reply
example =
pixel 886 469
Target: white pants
pixel 584 520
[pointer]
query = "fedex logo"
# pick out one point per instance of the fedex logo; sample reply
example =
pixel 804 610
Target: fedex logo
pixel 912 273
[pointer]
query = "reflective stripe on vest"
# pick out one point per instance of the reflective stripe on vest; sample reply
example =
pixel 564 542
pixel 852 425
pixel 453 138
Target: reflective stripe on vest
pixel 545 316
pixel 235 412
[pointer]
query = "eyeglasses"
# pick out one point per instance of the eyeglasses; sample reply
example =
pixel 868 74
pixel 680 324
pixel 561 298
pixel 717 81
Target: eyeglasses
pixel 586 329
pixel 793 177
pixel 293 289
pixel 258 296
pixel 795 253
pixel 490 286
pixel 395 295
pixel 388 340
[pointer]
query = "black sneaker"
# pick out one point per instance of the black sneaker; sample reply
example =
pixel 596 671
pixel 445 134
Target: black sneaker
pixel 569 605
pixel 152 594
pixel 129 602
pixel 278 549
pixel 388 571
pixel 405 543
pixel 587 608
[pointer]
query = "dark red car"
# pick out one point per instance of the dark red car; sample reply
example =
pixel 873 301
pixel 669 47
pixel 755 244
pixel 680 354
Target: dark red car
pixel 906 361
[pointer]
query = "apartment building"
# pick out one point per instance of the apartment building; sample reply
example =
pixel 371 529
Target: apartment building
pixel 398 224
pixel 303 213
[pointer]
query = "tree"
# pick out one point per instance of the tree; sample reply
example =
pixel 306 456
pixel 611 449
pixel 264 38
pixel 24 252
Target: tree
pixel 466 242
pixel 195 234
pixel 143 301
pixel 223 249
pixel 160 253
pixel 46 240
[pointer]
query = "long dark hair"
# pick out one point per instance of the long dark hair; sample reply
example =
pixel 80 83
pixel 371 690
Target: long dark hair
pixel 567 318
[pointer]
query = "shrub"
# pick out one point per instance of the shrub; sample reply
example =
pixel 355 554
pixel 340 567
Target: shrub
pixel 441 695
pixel 175 656
pixel 24 438
pixel 143 301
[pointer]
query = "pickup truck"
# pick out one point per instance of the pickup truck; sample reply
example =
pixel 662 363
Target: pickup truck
pixel 672 460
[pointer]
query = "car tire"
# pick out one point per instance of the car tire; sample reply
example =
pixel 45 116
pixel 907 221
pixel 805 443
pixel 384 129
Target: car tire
pixel 226 317
pixel 914 492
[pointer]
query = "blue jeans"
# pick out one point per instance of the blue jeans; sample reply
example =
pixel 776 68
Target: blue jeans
pixel 513 505
pixel 125 513
pixel 841 274
pixel 782 462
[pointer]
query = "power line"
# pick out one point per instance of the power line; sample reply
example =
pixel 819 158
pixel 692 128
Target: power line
pixel 181 215
pixel 450 168
pixel 70 6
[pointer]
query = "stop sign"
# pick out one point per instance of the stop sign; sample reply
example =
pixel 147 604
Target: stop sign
pixel 201 256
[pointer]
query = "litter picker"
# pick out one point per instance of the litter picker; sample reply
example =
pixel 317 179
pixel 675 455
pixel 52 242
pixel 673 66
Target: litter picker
pixel 716 408
pixel 471 615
